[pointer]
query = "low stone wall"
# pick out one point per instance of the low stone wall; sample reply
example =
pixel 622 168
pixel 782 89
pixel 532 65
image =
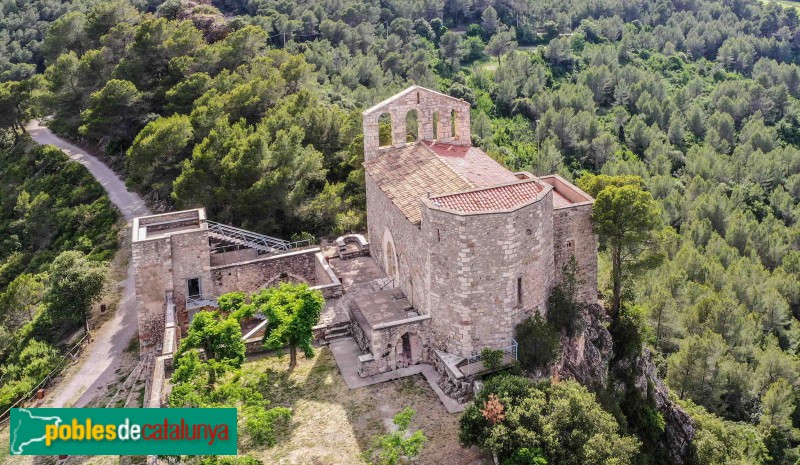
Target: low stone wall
pixel 326 280
pixel 456 387
pixel 299 266
pixel 233 257
pixel 351 246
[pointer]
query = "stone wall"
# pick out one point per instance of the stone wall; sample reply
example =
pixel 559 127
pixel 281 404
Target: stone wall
pixel 426 102
pixel 413 276
pixel 152 266
pixel 573 236
pixel 234 256
pixel 265 272
pixel 477 262
pixel 191 258
pixel 383 345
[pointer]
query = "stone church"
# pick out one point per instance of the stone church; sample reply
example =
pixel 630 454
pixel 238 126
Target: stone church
pixel 473 247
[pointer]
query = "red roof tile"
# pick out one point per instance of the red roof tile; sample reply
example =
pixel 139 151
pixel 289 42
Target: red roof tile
pixel 494 198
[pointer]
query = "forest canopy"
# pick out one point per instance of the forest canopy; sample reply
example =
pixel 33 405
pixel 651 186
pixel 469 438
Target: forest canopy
pixel 251 108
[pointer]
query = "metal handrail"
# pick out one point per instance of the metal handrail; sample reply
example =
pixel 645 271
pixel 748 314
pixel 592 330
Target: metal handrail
pixel 249 238
pixel 386 284
pixel 199 299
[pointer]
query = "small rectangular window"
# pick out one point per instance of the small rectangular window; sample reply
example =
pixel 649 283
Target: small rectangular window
pixel 193 287
pixel 519 292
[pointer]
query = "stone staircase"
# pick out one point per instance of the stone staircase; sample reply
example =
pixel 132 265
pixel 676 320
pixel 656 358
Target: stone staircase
pixel 128 394
pixel 337 331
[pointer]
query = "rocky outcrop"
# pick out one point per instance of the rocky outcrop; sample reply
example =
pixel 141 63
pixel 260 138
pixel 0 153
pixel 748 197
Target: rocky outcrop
pixel 587 358
pixel 679 428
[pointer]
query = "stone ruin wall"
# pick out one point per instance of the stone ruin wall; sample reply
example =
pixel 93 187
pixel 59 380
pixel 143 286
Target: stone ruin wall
pixel 162 265
pixel 426 103
pixel 384 342
pixel 475 263
pixel 265 272
pixel 191 258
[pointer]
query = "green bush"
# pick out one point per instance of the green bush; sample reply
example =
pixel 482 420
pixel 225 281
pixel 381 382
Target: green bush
pixel 492 358
pixel 630 330
pixel 539 343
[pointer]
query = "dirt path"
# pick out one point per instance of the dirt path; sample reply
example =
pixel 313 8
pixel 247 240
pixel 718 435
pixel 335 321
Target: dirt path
pixel 105 354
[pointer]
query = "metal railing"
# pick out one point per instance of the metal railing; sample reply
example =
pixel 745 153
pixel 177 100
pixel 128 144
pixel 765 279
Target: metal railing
pixel 239 238
pixel 196 301
pixel 247 238
pixel 475 364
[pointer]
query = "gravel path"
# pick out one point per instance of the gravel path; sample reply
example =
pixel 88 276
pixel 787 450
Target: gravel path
pixel 104 355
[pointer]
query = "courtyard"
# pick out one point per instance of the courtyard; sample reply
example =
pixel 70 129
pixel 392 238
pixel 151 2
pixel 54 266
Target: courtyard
pixel 333 425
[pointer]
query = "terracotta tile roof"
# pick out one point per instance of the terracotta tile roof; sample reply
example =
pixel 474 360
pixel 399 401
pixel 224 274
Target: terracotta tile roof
pixel 489 199
pixel 472 164
pixel 560 201
pixel 409 173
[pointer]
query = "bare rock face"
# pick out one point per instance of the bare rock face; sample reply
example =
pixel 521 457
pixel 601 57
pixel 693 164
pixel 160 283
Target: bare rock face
pixel 680 428
pixel 587 358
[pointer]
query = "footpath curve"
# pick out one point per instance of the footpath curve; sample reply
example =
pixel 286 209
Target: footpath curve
pixel 104 354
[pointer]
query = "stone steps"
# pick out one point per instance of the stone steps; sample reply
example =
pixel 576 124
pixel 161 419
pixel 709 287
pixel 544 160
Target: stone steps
pixel 126 394
pixel 336 332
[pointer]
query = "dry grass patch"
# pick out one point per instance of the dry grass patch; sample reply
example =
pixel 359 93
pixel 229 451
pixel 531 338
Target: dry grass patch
pixel 332 425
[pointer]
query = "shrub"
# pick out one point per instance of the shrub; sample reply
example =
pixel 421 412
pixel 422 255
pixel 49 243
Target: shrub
pixel 630 330
pixel 539 343
pixel 492 358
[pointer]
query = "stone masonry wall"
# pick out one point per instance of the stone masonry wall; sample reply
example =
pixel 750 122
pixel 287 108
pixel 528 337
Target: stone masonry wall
pixel 152 265
pixel 412 257
pixel 573 235
pixel 426 103
pixel 476 262
pixel 265 272
pixel 190 259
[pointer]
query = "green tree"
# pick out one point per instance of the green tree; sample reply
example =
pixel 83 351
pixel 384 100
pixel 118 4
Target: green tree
pixel 539 343
pixel 398 446
pixel 15 106
pixel 219 336
pixel 695 371
pixel 500 44
pixel 562 423
pixel 157 151
pixel 778 405
pixel 452 49
pixel 75 283
pixel 19 301
pixel 489 20
pixel 291 310
pixel 627 218
pixel 115 112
